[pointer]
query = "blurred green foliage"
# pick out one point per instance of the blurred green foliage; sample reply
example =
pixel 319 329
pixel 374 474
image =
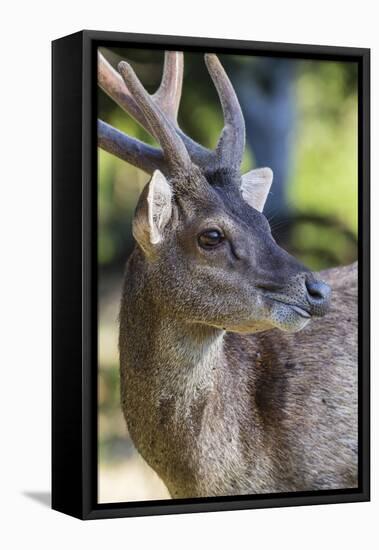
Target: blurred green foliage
pixel 326 172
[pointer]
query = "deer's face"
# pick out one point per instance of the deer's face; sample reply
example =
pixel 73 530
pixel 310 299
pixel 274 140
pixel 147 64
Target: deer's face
pixel 213 260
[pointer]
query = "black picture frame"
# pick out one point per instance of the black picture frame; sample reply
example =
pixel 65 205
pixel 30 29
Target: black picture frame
pixel 74 271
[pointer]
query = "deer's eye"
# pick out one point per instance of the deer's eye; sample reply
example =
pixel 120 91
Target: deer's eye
pixel 210 238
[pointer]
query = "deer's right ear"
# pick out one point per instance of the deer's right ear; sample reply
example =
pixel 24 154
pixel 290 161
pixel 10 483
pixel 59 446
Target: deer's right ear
pixel 256 186
pixel 153 212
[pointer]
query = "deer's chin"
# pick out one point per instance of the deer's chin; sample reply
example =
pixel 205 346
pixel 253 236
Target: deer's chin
pixel 292 326
pixel 288 324
pixel 250 327
pixel 288 317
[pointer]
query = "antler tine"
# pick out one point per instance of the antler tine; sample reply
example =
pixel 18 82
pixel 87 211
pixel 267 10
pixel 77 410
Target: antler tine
pixel 167 98
pixel 131 150
pixel 111 82
pixel 168 95
pixel 231 144
pixel 174 150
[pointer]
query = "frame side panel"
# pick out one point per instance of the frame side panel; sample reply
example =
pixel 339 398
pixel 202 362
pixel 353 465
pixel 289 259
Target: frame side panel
pixel 67 275
pixel 364 302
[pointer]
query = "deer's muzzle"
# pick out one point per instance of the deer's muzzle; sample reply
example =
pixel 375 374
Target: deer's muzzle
pixel 318 296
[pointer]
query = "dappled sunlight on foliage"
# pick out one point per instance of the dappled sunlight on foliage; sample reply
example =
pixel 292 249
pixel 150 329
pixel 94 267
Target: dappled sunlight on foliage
pixel 325 175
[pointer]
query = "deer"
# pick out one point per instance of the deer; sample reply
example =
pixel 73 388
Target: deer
pixel 238 365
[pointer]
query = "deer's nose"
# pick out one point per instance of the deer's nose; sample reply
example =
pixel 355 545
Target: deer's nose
pixel 318 295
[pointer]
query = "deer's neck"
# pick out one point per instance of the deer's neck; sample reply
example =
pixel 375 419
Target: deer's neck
pixel 188 360
pixel 173 376
pixel 182 362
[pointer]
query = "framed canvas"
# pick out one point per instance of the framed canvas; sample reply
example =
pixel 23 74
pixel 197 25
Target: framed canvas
pixel 210 275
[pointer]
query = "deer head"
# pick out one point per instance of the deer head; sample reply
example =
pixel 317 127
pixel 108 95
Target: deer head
pixel 206 247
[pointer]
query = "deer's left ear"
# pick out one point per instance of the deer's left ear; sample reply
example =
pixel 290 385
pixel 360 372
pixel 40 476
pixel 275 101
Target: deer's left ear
pixel 256 186
pixel 153 213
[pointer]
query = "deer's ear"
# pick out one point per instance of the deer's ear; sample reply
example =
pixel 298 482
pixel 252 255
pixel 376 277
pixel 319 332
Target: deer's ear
pixel 256 186
pixel 153 212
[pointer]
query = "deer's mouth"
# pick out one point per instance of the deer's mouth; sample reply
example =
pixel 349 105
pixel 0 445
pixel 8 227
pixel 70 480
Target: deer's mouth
pixel 300 310
pixel 286 315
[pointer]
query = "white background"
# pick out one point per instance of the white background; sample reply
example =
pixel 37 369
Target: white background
pixel 27 29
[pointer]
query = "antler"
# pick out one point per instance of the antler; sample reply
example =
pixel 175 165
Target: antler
pixel 126 90
pixel 168 95
pixel 173 148
pixel 131 150
pixel 157 113
pixel 231 144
